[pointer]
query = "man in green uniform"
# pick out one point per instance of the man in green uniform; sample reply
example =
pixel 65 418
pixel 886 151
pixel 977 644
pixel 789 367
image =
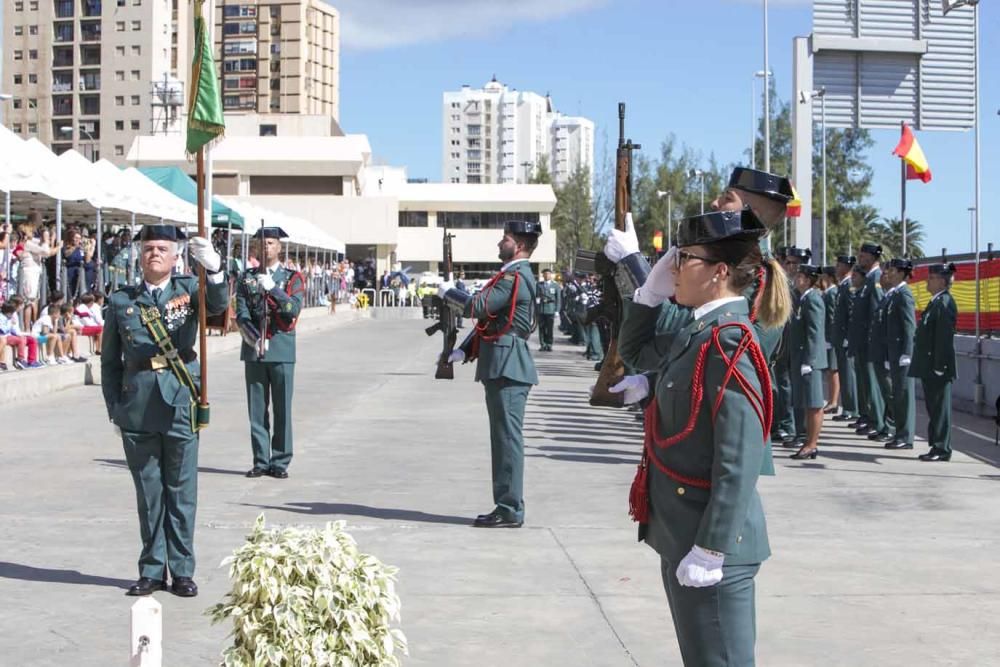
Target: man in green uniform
pixel 857 344
pixel 841 325
pixel 934 359
pixel 901 328
pixel 868 299
pixel 268 302
pixel 878 346
pixel 790 419
pixel 504 312
pixel 150 379
pixel 548 302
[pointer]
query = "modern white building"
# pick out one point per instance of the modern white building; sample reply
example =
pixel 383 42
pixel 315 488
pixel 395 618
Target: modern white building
pixel 304 167
pixel 497 134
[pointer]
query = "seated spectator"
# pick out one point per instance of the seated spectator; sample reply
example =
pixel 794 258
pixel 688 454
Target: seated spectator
pixel 3 354
pixel 88 313
pixel 54 343
pixel 27 347
pixel 68 325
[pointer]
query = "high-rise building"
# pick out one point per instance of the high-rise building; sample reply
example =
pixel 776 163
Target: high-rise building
pixel 279 56
pixel 80 72
pixel 497 134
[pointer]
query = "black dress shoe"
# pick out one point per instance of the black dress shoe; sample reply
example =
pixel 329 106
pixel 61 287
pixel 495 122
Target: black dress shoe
pixel 146 586
pixel 858 423
pixel 879 437
pixel 278 474
pixel 843 418
pixel 935 455
pixel 184 587
pixel 896 444
pixel 781 436
pixel 495 520
pixel 865 430
pixel 256 472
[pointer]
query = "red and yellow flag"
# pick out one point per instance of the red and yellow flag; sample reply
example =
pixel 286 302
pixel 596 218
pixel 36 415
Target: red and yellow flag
pixel 794 208
pixel 916 162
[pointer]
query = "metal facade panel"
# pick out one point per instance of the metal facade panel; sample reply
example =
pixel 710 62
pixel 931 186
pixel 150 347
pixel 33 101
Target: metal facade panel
pixel 834 17
pixel 837 72
pixel 888 89
pixel 948 71
pixel 888 18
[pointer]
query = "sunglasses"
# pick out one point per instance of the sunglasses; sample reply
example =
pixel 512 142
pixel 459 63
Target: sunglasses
pixel 683 255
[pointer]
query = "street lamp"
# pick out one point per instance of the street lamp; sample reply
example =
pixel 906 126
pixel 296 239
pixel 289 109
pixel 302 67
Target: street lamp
pixel 669 195
pixel 68 129
pixel 698 173
pixel 807 97
pixel 753 115
pixel 767 100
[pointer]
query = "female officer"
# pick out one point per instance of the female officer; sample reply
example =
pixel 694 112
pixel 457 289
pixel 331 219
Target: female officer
pixel 807 339
pixel 828 286
pixel 695 494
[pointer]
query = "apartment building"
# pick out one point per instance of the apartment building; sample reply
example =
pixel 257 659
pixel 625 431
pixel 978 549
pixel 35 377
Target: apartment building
pixel 497 134
pixel 279 56
pixel 80 72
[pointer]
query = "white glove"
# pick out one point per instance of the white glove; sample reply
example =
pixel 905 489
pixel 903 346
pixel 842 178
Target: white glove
pixel 659 285
pixel 829 346
pixel 636 388
pixel 622 244
pixel 456 356
pixel 266 281
pixel 939 373
pixel 887 366
pixel 700 568
pixel 202 252
pixel 806 369
pixel 845 343
pixel 904 360
pixel 444 287
pixel 118 431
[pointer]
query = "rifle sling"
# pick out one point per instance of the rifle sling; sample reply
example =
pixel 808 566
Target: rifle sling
pixel 153 321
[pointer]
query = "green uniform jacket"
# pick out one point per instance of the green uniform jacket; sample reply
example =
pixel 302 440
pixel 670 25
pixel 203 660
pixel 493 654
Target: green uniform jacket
pixel 806 333
pixel 871 295
pixel 728 450
pixel 281 345
pixel 934 349
pixel 901 324
pixel 549 297
pixel 857 332
pixel 145 400
pixel 878 350
pixel 842 315
pixel 830 306
pixel 509 356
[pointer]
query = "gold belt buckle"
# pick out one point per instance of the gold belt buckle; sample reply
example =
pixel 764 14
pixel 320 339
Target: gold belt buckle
pixel 158 362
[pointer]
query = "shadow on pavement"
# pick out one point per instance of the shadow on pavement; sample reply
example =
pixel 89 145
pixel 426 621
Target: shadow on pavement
pixel 364 510
pixel 121 463
pixel 580 458
pixel 52 576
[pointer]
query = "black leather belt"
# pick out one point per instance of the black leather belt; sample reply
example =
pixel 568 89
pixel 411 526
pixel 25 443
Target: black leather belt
pixel 159 361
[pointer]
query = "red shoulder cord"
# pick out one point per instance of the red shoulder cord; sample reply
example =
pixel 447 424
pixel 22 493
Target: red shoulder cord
pixel 483 325
pixel 760 402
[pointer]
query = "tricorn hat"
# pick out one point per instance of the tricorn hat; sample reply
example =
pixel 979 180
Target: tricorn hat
pixel 941 269
pixel 522 227
pixel 849 260
pixel 762 183
pixel 809 270
pixel 872 249
pixel 161 233
pixel 901 263
pixel 805 254
pixel 270 233
pixel 719 226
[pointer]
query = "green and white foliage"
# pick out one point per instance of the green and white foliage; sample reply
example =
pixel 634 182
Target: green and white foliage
pixel 307 597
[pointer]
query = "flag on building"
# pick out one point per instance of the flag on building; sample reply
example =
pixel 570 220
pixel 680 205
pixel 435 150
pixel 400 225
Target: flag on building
pixel 205 121
pixel 911 153
pixel 794 208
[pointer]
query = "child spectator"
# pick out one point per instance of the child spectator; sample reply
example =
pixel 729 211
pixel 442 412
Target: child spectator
pixel 91 321
pixel 44 329
pixel 68 325
pixel 27 347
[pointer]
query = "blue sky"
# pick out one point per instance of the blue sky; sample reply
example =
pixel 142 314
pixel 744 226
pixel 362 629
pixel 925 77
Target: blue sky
pixel 682 66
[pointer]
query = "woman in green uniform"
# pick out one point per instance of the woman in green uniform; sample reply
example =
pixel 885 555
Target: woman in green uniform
pixel 695 493
pixel 807 340
pixel 828 286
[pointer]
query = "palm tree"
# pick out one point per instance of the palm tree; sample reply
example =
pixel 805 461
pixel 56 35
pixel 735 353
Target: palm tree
pixel 888 232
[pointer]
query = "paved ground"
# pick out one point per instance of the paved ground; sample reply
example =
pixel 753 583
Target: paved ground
pixel 879 559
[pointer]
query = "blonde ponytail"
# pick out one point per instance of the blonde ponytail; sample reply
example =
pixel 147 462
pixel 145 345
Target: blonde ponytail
pixel 775 306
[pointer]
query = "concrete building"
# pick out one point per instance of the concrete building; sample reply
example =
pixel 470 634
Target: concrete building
pixel 497 134
pixel 278 56
pixel 306 167
pixel 81 71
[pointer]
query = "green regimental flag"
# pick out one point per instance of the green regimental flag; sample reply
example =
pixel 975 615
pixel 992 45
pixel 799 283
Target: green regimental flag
pixel 205 121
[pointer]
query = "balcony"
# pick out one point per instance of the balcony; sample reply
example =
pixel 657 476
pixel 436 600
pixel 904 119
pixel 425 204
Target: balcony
pixel 62 57
pixel 90 31
pixel 62 105
pixel 90 81
pixel 65 9
pixel 62 82
pixel 63 32
pixel 90 56
pixel 91 8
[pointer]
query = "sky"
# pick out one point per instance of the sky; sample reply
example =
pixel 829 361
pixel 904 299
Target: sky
pixel 682 66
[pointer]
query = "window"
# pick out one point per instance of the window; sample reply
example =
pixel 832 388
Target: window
pixel 119 75
pixel 136 75
pixel 17 79
pixel 268 130
pixel 136 50
pixel 18 55
pixel 119 101
pixel 134 125
pixel 136 26
pixel 135 100
pixel 16 127
pixel 119 125
pixel 32 29
pixel 33 6
pixel 32 128
pixel 18 30
pixel 32 54
pixel 119 26
pixel 120 51
pixel 119 151
pixel 32 78
pixel 413 218
pixel 32 103
pixel 19 6
pixel 483 220
pixel 136 3
pixel 17 102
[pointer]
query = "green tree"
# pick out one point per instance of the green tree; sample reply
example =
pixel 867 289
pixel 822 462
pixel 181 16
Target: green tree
pixel 889 234
pixel 573 217
pixel 542 173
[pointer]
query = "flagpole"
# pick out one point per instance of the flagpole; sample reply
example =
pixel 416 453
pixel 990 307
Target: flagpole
pixel 202 318
pixel 210 163
pixel 902 190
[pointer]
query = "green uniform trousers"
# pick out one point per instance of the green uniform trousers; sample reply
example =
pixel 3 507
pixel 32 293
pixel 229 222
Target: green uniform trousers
pixel 545 323
pixel 873 406
pixel 886 392
pixel 164 468
pixel 848 383
pixel 716 626
pixel 267 380
pixel 904 403
pixel 784 414
pixel 937 396
pixel 505 403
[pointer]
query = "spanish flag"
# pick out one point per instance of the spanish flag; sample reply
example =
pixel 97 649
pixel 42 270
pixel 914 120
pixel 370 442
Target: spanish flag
pixel 916 163
pixel 794 208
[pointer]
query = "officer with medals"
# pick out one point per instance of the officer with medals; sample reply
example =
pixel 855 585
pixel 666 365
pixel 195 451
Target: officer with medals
pixel 807 353
pixel 268 302
pixel 879 354
pixel 857 344
pixel 548 301
pixel 695 492
pixel 150 379
pixel 901 329
pixel 934 359
pixel 839 338
pixel 863 319
pixel 504 312
pixel 789 420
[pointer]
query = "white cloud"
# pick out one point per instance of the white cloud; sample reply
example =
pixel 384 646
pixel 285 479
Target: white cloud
pixel 382 24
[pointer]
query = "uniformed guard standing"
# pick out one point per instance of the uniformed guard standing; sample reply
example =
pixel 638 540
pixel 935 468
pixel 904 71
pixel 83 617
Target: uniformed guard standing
pixel 792 416
pixel 828 285
pixel 857 344
pixel 268 302
pixel 807 350
pixel 694 493
pixel 934 359
pixel 869 297
pixel 841 327
pixel 548 302
pixel 878 346
pixel 504 312
pixel 901 329
pixel 150 380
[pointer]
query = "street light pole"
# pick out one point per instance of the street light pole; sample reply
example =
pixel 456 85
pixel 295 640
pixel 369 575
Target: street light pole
pixel 527 174
pixel 767 100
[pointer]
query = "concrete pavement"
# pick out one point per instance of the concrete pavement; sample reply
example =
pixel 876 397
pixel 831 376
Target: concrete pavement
pixel 879 559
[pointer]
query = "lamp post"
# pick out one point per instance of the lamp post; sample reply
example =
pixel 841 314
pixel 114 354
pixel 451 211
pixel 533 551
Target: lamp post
pixel 669 195
pixel 68 129
pixel 767 100
pixel 753 117
pixel 700 174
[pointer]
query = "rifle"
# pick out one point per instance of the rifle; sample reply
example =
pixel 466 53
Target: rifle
pixel 446 319
pixel 610 308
